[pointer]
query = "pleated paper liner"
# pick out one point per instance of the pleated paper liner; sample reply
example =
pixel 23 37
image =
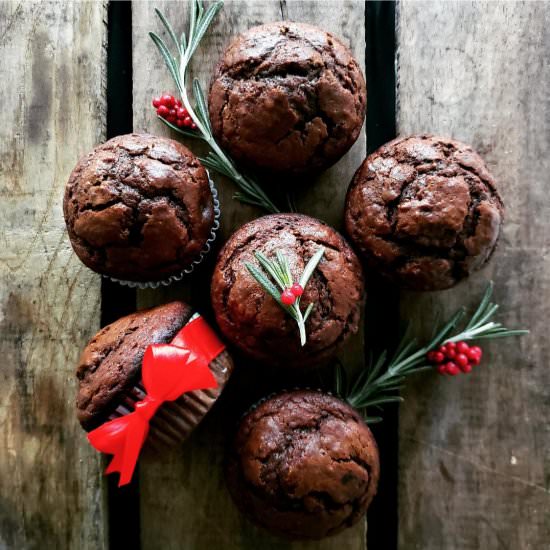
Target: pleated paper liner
pixel 174 421
pixel 203 253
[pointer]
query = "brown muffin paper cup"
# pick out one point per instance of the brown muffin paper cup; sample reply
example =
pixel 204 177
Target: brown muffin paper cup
pixel 175 420
pixel 203 253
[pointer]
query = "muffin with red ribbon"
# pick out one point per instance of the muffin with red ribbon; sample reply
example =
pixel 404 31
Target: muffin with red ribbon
pixel 150 376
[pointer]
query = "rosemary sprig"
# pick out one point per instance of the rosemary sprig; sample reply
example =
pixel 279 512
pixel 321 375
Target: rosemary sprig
pixel 279 270
pixel 378 385
pixel 216 159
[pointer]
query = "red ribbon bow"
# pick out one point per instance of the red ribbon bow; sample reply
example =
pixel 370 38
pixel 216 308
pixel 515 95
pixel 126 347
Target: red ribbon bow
pixel 168 371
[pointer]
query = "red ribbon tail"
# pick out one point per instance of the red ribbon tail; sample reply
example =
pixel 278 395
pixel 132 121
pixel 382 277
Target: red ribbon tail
pixel 123 438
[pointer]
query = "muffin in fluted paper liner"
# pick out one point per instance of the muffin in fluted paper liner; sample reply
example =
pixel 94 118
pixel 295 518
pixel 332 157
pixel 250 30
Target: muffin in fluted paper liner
pixel 188 270
pixel 303 465
pixel 141 209
pixel 109 375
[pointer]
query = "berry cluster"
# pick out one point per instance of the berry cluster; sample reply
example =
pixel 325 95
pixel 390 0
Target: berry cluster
pixel 289 295
pixel 454 357
pixel 172 110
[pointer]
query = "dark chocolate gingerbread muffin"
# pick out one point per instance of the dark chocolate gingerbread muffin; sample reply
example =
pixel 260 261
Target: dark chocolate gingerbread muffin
pixel 287 98
pixel 303 465
pixel 109 373
pixel 254 322
pixel 139 208
pixel 424 211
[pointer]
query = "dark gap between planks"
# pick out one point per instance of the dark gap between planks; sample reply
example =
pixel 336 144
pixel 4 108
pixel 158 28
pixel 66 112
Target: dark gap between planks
pixel 382 308
pixel 116 300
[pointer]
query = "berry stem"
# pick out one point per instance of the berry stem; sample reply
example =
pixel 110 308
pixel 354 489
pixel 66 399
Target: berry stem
pixel 374 387
pixel 250 191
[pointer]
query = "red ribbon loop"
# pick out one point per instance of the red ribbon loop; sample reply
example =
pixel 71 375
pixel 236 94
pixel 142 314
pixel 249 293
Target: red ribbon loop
pixel 168 371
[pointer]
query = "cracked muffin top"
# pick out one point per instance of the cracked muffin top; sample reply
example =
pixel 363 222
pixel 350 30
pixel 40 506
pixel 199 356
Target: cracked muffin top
pixel 424 211
pixel 254 322
pixel 287 98
pixel 303 465
pixel 138 208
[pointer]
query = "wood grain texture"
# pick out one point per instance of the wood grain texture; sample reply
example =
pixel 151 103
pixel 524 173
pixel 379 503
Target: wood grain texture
pixel 184 502
pixel 52 61
pixel 475 451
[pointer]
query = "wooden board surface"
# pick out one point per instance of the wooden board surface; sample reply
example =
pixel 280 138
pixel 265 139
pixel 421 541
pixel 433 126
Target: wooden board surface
pixel 474 451
pixel 53 96
pixel 184 502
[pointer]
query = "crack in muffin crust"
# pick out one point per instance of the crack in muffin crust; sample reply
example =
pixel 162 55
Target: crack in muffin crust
pixel 424 211
pixel 303 464
pixel 255 323
pixel 287 97
pixel 138 207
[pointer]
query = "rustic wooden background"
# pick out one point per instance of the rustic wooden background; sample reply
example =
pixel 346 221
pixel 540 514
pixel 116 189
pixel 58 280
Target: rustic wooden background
pixel 473 466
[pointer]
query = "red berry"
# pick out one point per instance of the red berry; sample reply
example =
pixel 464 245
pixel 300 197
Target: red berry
pixel 168 100
pixel 442 349
pixel 430 356
pixel 163 111
pixel 438 357
pixel 474 354
pixel 187 121
pixel 173 113
pixel 287 297
pixel 181 113
pixel 171 119
pixel 193 126
pixel 179 123
pixel 442 369
pixel 451 368
pixel 466 368
pixel 462 347
pixel 451 345
pixel 297 289
pixel 178 103
pixel 450 353
pixel 156 102
pixel 461 360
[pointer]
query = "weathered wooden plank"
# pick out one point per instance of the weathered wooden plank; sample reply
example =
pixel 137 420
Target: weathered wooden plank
pixel 52 61
pixel 184 503
pixel 475 451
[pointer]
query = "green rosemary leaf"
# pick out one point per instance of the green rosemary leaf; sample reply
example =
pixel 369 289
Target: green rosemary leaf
pixel 377 366
pixel 201 104
pixel 285 268
pixel 271 268
pixel 311 266
pixel 264 281
pixel 309 309
pixel 203 24
pixel 405 348
pixel 378 401
pixel 185 133
pixel 481 308
pixel 183 43
pixel 372 419
pixel 439 337
pixel 490 311
pixel 503 334
pixel 195 5
pixel 169 29
pixel 167 56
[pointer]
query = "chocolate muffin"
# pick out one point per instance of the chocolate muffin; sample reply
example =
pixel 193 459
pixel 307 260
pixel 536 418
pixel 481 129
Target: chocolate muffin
pixel 254 322
pixel 139 208
pixel 287 98
pixel 109 374
pixel 424 211
pixel 303 465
